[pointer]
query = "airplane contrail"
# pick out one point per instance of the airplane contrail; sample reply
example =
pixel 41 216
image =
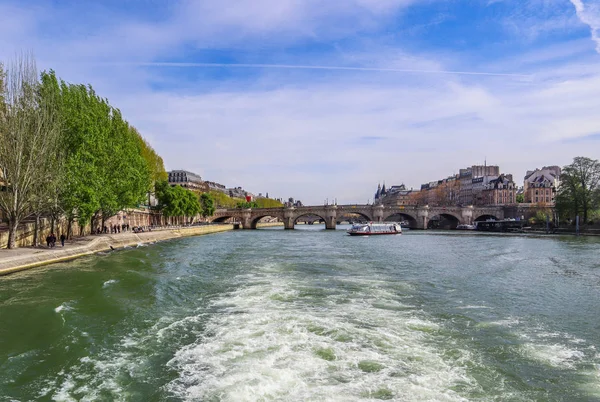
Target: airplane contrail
pixel 309 67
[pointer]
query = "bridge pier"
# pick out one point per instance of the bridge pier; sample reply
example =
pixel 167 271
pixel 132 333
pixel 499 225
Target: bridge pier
pixel 467 215
pixel 289 218
pixel 247 219
pixel 330 217
pixel 378 213
pixel 423 217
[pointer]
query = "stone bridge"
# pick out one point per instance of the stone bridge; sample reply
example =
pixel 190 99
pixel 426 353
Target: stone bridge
pixel 417 217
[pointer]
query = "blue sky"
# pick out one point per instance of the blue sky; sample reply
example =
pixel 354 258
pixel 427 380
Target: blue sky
pixel 317 99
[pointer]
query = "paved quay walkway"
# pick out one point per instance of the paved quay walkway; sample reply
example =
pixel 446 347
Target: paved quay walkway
pixel 29 257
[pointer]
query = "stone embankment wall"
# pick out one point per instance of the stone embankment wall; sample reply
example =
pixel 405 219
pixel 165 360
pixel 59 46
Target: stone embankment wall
pixel 26 231
pixel 269 224
pixel 19 262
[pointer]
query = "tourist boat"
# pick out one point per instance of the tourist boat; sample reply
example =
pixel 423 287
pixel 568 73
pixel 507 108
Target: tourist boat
pixel 466 227
pixel 375 229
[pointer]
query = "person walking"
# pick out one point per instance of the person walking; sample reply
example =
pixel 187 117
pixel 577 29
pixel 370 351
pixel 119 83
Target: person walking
pixel 62 239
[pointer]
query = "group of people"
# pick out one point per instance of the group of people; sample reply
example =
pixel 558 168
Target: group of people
pixel 112 229
pixel 51 240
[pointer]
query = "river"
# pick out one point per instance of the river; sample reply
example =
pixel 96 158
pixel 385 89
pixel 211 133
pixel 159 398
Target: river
pixel 309 315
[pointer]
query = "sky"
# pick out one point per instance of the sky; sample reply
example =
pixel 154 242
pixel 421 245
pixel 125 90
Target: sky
pixel 322 100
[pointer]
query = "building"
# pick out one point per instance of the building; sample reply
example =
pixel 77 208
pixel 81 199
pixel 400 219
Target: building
pixel 475 185
pixel 500 191
pixel 217 187
pixel 444 192
pixel 236 192
pixel 540 185
pixel 187 179
pixel 473 180
pixel 396 195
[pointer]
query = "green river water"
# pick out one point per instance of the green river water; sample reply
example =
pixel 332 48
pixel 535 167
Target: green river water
pixel 309 315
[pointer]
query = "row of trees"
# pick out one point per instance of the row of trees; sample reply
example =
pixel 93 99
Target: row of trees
pixel 222 200
pixel 65 151
pixel 180 202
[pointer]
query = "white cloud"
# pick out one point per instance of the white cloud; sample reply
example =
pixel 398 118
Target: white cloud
pixel 317 141
pixel 589 13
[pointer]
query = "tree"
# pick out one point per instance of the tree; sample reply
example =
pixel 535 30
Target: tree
pixel 207 205
pixel 520 198
pixel 108 165
pixel 176 201
pixel 246 204
pixel 29 131
pixel 579 191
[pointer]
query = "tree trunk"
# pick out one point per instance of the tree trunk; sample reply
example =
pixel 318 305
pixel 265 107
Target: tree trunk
pixel 52 223
pixel 69 228
pixel 12 233
pixel 36 231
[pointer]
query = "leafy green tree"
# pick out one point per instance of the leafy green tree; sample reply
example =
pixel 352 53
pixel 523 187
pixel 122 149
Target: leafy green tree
pixel 246 204
pixel 108 166
pixel 222 200
pixel 207 204
pixel 191 205
pixel 177 201
pixel 29 129
pixel 579 191
pixel 520 198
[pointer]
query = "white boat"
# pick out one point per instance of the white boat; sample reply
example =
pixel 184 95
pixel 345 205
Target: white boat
pixel 466 227
pixel 369 229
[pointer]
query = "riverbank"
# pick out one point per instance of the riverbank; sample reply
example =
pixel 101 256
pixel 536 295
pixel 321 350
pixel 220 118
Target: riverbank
pixel 29 257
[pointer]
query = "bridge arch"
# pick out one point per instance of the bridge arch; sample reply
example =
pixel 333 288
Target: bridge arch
pixel 341 214
pixel 256 218
pixel 443 220
pixel 320 216
pixel 223 218
pixel 366 213
pixel 403 216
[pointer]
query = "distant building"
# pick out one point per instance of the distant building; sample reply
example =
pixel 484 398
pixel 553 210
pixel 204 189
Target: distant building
pixel 216 187
pixel 236 192
pixel 475 185
pixel 468 185
pixel 187 179
pixel 293 203
pixel 540 185
pixel 394 196
pixel 500 191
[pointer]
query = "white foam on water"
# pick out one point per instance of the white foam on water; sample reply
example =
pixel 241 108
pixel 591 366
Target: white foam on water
pixel 469 307
pixel 508 323
pixel 555 355
pixel 110 282
pixel 94 378
pixel 63 394
pixel 279 341
pixel 66 306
